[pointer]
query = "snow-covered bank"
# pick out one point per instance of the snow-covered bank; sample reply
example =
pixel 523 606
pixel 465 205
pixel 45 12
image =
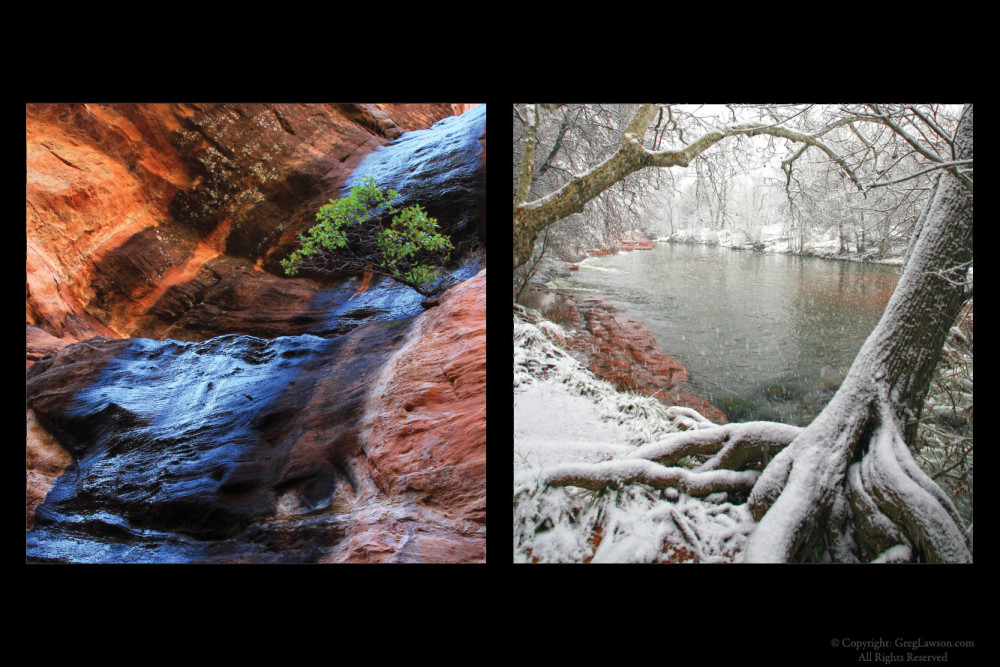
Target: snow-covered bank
pixel 774 239
pixel 563 414
pixel 617 347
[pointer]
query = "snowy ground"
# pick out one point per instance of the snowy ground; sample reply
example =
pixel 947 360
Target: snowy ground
pixel 563 414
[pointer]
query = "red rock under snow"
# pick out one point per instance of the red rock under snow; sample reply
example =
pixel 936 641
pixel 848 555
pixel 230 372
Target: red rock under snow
pixel 622 350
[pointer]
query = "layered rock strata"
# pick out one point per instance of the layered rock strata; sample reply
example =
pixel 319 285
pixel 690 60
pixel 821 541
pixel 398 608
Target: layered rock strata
pixel 137 215
pixel 186 400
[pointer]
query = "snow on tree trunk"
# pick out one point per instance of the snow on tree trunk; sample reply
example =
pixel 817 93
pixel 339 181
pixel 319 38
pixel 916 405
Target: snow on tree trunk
pixel 847 488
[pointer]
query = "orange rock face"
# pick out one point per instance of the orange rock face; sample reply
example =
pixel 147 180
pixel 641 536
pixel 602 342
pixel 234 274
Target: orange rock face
pixel 127 204
pixel 45 461
pixel 40 343
pixel 93 180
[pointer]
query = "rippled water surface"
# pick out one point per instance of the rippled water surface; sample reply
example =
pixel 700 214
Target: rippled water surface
pixel 764 336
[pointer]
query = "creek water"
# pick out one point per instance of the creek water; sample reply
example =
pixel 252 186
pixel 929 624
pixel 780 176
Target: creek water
pixel 764 336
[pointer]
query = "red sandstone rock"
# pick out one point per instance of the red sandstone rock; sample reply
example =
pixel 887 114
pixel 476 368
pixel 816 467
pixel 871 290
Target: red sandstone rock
pixel 417 116
pixel 462 108
pixel 622 350
pixel 168 221
pixel 637 243
pixel 368 447
pixel 634 242
pixel 93 180
pixel 45 462
pixel 41 343
pixel 425 430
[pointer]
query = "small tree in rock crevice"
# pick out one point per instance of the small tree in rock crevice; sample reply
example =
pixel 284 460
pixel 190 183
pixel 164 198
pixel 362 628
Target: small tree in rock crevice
pixel 355 233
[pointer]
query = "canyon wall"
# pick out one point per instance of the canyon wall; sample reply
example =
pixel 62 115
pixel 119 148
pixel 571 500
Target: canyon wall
pixel 137 215
pixel 188 402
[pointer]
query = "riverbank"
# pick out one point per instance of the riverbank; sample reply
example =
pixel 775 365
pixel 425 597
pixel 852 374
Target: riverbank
pixel 564 415
pixel 753 329
pixel 619 349
pixel 614 346
pixel 771 241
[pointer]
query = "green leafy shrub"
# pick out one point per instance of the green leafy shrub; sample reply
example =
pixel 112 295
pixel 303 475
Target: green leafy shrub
pixel 352 235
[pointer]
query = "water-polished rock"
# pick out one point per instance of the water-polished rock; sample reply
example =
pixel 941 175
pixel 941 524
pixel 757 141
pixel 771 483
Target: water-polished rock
pixel 240 449
pixel 166 222
pixel 442 168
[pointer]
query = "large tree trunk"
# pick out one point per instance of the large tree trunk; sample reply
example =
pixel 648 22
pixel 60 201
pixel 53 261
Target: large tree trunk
pixel 848 486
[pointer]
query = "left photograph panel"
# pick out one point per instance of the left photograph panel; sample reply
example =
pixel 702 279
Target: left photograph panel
pixel 255 333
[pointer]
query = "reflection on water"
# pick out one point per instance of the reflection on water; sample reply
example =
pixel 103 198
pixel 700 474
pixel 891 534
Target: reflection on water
pixel 763 336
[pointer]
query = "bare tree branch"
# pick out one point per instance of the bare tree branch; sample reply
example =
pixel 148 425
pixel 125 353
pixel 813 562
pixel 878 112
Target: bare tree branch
pixel 941 165
pixel 531 217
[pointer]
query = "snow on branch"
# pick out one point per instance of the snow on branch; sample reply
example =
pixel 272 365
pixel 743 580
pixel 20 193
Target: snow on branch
pixel 616 473
pixel 532 217
pixel 934 167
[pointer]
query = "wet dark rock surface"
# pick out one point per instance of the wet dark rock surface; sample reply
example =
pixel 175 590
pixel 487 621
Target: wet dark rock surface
pixel 257 164
pixel 129 204
pixel 364 447
pixel 231 426
pixel 174 442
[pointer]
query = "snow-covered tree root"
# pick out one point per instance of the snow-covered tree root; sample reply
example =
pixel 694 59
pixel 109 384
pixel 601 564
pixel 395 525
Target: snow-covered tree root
pixel 846 490
pixel 852 492
pixel 734 455
pixel 901 493
pixel 597 476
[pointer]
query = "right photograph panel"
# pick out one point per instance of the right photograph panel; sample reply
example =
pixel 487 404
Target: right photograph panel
pixel 742 333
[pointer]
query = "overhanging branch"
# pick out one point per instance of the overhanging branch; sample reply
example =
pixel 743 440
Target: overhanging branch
pixel 531 217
